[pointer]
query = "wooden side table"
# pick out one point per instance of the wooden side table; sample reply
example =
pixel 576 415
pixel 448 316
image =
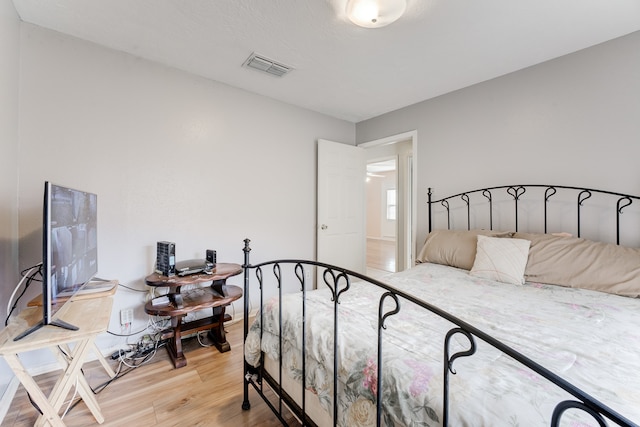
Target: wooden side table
pixel 217 297
pixel 92 317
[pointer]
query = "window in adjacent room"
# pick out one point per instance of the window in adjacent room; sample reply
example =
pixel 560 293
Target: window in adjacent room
pixel 391 204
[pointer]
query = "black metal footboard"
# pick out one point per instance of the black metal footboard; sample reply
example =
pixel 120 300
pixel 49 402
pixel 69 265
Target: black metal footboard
pixel 269 278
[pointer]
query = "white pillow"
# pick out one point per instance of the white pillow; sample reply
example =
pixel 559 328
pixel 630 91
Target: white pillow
pixel 501 259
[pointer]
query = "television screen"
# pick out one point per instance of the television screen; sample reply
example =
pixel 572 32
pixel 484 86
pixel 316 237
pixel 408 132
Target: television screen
pixel 69 248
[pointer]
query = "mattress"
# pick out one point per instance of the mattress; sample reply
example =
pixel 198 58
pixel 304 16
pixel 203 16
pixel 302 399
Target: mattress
pixel 590 339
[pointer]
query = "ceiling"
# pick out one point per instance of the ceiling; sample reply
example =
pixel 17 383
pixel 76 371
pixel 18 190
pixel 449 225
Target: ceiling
pixel 340 69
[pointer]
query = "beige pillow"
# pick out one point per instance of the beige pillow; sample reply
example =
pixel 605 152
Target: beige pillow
pixel 456 248
pixel 581 263
pixel 501 259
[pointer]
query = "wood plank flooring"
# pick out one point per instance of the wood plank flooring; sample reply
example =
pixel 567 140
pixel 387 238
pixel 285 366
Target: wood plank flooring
pixel 381 255
pixel 206 392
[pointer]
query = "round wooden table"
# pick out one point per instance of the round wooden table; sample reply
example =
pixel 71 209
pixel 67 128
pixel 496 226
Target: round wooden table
pixel 216 297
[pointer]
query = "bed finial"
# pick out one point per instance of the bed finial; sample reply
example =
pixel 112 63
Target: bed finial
pixel 246 251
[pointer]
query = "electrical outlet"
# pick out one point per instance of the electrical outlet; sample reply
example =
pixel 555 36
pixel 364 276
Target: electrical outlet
pixel 126 316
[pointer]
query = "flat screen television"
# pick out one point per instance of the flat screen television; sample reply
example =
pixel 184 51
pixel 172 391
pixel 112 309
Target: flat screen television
pixel 69 249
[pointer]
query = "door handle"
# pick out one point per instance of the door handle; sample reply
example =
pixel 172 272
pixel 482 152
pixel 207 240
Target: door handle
pixel 324 226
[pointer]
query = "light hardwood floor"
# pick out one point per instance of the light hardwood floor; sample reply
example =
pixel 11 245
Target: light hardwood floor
pixel 206 392
pixel 381 255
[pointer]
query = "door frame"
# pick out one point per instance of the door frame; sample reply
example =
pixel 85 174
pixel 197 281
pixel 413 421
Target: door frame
pixel 413 136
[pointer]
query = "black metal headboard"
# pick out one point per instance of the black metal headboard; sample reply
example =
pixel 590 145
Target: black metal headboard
pixel 514 193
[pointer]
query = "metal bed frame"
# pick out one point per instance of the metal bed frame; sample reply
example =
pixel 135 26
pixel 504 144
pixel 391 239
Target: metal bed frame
pixel 516 191
pixel 339 281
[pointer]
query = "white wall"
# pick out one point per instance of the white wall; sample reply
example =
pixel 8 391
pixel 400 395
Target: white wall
pixel 170 155
pixel 574 120
pixel 9 52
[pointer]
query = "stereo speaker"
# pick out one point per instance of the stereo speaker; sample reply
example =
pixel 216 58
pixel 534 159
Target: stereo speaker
pixel 211 257
pixel 166 259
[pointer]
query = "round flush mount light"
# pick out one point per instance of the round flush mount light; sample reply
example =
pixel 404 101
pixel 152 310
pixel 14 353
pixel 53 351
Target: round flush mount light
pixel 375 13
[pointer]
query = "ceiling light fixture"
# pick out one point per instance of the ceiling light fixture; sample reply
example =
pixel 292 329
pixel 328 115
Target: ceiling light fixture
pixel 375 13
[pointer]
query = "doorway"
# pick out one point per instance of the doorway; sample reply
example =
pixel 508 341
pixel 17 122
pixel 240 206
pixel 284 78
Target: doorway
pixel 381 216
pixel 391 238
pixel 352 202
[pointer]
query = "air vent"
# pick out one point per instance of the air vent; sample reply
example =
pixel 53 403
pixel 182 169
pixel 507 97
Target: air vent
pixel 266 65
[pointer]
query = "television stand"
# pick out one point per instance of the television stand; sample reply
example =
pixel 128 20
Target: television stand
pixel 93 316
pixel 97 288
pixel 177 305
pixel 56 322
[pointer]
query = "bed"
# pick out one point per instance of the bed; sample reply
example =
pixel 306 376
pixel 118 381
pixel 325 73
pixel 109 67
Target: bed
pixel 494 326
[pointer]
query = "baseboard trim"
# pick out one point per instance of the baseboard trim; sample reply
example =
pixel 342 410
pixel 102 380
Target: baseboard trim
pixel 382 238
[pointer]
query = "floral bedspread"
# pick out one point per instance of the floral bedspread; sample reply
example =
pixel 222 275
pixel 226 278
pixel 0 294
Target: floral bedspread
pixel 590 339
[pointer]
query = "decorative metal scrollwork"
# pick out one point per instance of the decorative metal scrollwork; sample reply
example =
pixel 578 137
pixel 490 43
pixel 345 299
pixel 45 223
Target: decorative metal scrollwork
pixel 465 198
pixel 276 273
pixel 449 360
pixel 445 203
pixel 550 191
pixel 332 280
pixel 568 404
pixel 487 194
pixel 516 192
pixel 448 366
pixel 299 271
pixel 259 276
pixel 382 317
pixel 582 196
pixel 619 208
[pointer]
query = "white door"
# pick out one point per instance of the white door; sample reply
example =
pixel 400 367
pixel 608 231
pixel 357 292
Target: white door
pixel 341 205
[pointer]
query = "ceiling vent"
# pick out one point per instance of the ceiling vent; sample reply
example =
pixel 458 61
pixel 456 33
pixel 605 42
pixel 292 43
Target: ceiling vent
pixel 266 65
